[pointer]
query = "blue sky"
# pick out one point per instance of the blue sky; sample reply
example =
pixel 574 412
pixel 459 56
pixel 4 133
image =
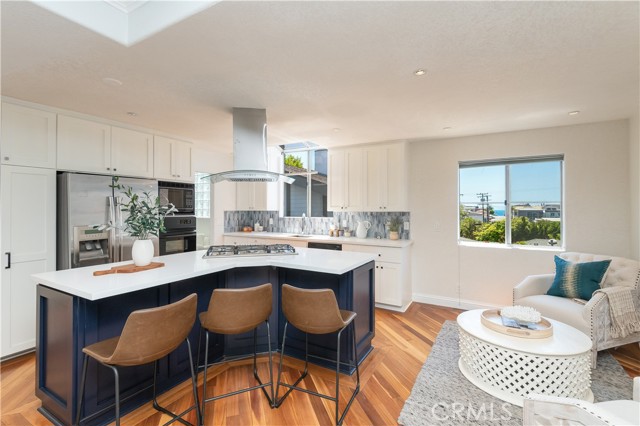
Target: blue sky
pixel 530 182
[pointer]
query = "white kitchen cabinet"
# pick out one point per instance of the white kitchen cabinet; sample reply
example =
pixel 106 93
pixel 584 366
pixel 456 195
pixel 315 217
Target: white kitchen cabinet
pixel 83 145
pixel 346 180
pixel 28 246
pixel 261 195
pixel 255 196
pixel 28 136
pixel 131 152
pixel 386 177
pixel 233 240
pixel 172 159
pixel 90 146
pixel 392 274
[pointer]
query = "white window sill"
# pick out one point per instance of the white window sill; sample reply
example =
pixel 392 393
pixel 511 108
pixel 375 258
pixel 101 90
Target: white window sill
pixel 510 247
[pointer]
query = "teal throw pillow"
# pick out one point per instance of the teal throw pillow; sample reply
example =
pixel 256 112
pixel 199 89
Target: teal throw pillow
pixel 577 280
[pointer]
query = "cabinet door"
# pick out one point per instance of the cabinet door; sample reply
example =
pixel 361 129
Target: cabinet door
pixel 131 153
pixel 162 158
pixel 395 184
pixel 83 145
pixel 28 247
pixel 336 181
pixel 244 196
pixel 182 161
pixel 260 195
pixel 388 283
pixel 354 159
pixel 376 181
pixel 28 137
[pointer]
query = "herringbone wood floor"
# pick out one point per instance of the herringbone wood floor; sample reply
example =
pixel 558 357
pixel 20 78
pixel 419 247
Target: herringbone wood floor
pixel 402 344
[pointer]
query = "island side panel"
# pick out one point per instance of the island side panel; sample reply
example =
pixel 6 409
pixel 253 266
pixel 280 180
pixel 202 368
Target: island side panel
pixel 55 355
pixel 363 294
pixel 102 319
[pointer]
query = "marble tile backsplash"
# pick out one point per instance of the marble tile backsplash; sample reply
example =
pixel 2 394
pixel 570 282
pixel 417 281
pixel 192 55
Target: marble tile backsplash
pixel 234 221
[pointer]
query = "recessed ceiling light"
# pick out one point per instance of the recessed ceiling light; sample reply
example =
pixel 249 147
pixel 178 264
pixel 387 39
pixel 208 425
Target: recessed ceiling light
pixel 446 128
pixel 336 129
pixel 420 72
pixel 113 82
pixel 132 114
pixel 574 113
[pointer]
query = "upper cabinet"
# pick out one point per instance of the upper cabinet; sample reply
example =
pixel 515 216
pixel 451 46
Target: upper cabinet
pixel 172 160
pixel 28 137
pixel 346 180
pixel 261 195
pixel 89 146
pixel 386 180
pixel 131 152
pixel 369 178
pixel 83 145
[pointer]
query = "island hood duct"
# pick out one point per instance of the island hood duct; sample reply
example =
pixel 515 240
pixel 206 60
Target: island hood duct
pixel 249 150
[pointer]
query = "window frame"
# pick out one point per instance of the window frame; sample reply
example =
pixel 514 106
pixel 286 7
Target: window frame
pixel 308 151
pixel 507 162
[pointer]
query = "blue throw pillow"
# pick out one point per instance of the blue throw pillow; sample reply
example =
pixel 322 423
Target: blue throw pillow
pixel 577 280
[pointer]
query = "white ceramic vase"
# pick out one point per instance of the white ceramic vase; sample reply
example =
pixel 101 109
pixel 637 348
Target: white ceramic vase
pixel 142 252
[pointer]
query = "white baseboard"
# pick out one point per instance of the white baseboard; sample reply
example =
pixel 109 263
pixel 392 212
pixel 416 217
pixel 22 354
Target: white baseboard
pixel 452 302
pixel 402 308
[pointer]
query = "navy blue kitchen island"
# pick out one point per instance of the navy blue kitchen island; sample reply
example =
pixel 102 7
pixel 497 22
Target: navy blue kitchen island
pixel 76 309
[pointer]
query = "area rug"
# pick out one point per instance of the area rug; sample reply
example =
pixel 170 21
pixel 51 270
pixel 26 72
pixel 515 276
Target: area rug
pixel 442 396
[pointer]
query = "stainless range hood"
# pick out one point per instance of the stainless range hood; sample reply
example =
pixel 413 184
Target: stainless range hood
pixel 249 149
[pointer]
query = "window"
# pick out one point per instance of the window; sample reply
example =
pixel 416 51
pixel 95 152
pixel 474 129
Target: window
pixel 307 164
pixel 516 201
pixel 202 195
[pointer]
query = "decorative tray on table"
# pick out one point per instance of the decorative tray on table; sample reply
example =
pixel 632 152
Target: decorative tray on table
pixel 492 319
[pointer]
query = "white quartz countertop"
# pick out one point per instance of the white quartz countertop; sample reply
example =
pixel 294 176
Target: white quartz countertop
pixel 322 239
pixel 81 282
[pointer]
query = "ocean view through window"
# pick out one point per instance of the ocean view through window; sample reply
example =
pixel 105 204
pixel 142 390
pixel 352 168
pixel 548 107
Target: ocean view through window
pixel 512 201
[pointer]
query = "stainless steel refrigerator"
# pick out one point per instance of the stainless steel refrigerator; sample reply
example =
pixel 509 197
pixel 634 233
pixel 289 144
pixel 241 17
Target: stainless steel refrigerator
pixel 85 202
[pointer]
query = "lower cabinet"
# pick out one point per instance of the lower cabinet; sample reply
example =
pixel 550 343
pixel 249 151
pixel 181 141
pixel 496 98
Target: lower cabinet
pixel 392 275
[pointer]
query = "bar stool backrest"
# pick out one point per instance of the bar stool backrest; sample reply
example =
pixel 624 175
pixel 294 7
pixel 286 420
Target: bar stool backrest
pixel 150 334
pixel 235 311
pixel 311 311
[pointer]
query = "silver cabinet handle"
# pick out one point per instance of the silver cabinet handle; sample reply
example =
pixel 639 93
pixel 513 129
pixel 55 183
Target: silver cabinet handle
pixel 108 168
pixel 8 260
pixel 6 158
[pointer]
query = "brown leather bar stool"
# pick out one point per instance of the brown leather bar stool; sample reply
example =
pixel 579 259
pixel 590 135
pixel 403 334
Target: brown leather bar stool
pixel 316 312
pixel 147 336
pixel 236 311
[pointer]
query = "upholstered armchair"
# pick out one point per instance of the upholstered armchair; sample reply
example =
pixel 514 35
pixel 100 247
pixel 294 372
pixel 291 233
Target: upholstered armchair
pixel 539 410
pixel 591 318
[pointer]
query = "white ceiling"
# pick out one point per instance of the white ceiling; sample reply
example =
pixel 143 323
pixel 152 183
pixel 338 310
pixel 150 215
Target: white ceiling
pixel 318 66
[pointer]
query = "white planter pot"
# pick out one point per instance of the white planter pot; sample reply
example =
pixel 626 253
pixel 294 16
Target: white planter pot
pixel 142 252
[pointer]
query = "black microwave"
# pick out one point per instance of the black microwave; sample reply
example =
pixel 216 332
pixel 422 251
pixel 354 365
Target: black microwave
pixel 181 195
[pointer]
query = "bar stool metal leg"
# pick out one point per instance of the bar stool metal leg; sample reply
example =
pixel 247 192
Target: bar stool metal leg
pixel 81 394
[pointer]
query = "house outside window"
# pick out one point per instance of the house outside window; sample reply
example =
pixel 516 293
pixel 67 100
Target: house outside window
pixel 512 201
pixel 307 164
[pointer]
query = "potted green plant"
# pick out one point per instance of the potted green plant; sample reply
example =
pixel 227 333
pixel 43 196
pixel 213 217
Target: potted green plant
pixel 394 228
pixel 145 218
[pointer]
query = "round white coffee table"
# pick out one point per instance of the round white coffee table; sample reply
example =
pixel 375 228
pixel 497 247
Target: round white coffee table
pixel 510 368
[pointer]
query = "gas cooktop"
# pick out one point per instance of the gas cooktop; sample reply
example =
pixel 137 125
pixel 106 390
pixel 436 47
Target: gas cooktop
pixel 249 250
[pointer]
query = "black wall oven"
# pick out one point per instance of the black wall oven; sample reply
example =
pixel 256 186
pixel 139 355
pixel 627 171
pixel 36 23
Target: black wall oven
pixel 180 235
pixel 180 194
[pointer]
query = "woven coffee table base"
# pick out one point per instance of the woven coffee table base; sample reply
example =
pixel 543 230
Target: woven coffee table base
pixel 511 375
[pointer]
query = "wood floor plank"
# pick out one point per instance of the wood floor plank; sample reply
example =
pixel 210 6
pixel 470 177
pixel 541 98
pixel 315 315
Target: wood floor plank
pixel 402 344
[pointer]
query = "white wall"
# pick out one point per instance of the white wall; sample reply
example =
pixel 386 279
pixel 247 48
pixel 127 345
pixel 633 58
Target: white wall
pixel 597 209
pixel 634 171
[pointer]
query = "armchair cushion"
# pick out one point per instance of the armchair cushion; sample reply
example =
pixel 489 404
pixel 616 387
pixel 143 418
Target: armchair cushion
pixel 559 308
pixel 577 280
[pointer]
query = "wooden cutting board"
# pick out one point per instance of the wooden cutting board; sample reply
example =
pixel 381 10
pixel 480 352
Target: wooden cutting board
pixel 128 269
